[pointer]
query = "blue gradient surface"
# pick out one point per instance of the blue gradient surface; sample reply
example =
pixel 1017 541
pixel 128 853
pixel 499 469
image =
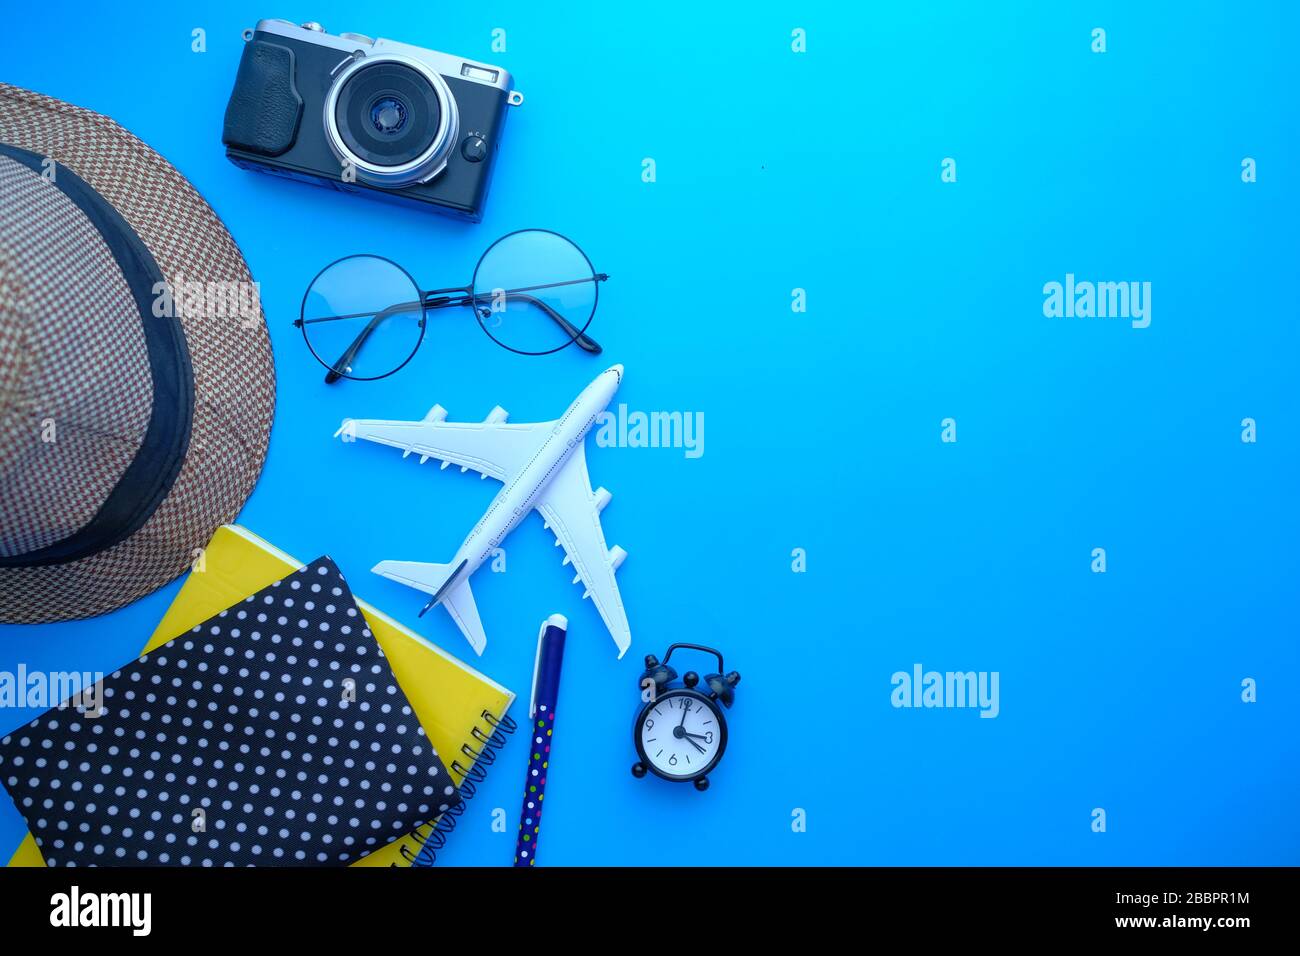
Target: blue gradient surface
pixel 821 171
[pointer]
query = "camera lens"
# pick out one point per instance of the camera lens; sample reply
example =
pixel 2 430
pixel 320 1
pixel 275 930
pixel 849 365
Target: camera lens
pixel 392 119
pixel 388 114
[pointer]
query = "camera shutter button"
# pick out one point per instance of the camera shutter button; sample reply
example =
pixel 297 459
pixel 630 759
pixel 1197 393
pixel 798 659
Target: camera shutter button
pixel 474 148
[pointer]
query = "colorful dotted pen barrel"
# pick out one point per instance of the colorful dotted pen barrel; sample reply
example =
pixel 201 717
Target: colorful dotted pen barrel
pixel 541 709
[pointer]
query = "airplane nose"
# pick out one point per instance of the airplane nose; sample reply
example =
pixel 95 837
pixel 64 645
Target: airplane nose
pixel 617 370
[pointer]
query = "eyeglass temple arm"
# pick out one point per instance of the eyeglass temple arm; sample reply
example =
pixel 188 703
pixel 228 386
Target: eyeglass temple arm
pixel 340 367
pixel 583 340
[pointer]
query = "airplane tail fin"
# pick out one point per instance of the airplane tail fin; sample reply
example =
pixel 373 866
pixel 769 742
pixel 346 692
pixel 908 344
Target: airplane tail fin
pixel 423 576
pixel 441 581
pixel 459 602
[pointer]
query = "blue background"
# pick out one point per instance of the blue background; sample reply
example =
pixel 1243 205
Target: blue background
pixel 822 171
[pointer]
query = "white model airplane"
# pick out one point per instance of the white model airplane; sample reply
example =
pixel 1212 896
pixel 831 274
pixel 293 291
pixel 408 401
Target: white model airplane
pixel 542 466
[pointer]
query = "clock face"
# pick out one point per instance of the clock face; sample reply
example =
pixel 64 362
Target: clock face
pixel 681 735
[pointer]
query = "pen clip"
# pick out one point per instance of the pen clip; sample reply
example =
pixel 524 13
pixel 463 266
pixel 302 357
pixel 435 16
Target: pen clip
pixel 537 667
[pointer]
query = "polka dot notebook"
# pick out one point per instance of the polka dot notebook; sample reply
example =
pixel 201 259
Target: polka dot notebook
pixel 272 734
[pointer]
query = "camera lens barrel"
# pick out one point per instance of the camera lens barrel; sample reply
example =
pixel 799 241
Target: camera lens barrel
pixel 392 119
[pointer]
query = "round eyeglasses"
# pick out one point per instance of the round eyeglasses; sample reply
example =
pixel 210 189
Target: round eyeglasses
pixel 533 292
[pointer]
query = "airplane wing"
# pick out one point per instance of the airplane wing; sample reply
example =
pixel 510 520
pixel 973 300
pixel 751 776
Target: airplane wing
pixel 572 512
pixel 491 447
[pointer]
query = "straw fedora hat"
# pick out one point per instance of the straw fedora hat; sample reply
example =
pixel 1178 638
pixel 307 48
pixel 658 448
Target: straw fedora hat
pixel 136 381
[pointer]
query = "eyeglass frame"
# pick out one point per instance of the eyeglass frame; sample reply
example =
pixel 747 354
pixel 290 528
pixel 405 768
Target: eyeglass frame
pixel 443 298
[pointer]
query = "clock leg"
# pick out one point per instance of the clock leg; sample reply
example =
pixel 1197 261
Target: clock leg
pixel 638 770
pixel 701 784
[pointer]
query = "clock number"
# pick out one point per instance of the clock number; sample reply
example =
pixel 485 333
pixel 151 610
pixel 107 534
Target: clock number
pixel 649 724
pixel 672 761
pixel 708 738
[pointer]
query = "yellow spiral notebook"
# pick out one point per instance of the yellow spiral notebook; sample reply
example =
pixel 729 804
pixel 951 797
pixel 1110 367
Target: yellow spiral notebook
pixel 461 710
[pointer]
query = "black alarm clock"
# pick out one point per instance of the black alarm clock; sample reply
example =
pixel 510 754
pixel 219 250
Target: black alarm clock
pixel 681 733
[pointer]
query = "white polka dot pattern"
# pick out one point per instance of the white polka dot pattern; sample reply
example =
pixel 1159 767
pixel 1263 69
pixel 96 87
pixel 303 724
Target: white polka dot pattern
pixel 273 734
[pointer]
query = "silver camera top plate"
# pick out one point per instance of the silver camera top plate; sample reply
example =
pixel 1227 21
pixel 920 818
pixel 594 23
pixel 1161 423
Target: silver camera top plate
pixel 349 43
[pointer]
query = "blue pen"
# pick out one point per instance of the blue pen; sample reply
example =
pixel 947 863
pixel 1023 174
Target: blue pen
pixel 541 713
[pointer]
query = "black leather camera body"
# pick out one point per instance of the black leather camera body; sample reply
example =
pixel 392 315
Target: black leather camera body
pixel 370 116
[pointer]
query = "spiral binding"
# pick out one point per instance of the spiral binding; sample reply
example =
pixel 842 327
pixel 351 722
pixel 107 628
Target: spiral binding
pixel 472 775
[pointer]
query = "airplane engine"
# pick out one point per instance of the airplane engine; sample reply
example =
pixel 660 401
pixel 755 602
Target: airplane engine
pixel 497 414
pixel 602 499
pixel 616 557
pixel 436 414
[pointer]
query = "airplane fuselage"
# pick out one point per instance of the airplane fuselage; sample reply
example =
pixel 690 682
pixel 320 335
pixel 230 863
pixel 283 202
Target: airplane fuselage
pixel 520 494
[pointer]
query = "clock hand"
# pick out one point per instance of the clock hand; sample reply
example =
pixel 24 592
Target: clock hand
pixel 697 736
pixel 694 744
pixel 686 708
